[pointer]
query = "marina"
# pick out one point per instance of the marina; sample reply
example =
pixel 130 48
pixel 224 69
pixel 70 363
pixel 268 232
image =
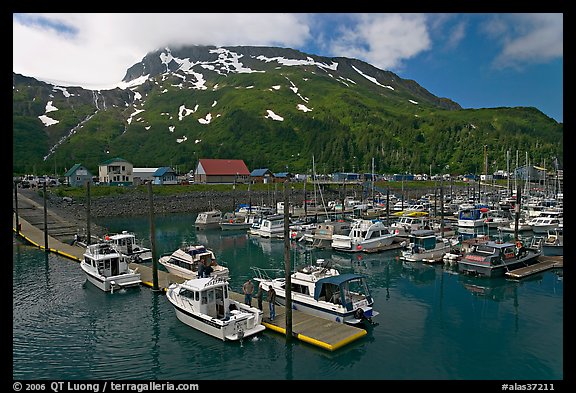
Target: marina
pixel 400 292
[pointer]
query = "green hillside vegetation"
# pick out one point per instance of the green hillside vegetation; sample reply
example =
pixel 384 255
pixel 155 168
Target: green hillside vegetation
pixel 349 125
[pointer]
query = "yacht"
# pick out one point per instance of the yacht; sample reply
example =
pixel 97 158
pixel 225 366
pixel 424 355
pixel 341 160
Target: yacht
pixel 129 247
pixel 208 219
pixel 425 246
pixel 322 291
pixel 193 260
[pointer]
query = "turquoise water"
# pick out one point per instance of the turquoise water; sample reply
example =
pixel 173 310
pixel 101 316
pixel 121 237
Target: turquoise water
pixel 433 325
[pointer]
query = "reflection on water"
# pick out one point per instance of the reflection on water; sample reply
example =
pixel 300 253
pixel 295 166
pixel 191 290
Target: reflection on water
pixel 433 322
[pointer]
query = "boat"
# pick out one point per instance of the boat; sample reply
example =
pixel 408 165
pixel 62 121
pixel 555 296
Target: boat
pixel 322 236
pixel 462 247
pixel 193 260
pixel 271 226
pixel 497 218
pixel 322 291
pixel 494 259
pixel 365 235
pixel 107 268
pixel 231 221
pixel 545 222
pixel 425 246
pixel 204 304
pixel 126 243
pixel 473 217
pixel 208 219
pixel 406 224
pixel 552 244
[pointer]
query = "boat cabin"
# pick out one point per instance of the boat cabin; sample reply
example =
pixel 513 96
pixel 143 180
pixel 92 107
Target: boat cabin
pixel 208 296
pixel 425 239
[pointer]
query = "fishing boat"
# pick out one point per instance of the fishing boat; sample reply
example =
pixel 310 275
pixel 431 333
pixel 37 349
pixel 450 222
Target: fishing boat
pixel 231 221
pixel 193 260
pixel 494 259
pixel 473 217
pixel 208 219
pixel 365 235
pixel 107 268
pixel 126 243
pixel 425 246
pixel 322 291
pixel 322 236
pixel 204 304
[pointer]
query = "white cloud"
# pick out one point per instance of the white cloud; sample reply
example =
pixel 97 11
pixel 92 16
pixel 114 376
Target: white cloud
pixel 527 38
pixel 383 40
pixel 96 49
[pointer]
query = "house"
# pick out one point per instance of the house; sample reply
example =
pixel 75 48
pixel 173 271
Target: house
pixel 281 177
pixel 143 175
pixel 165 175
pixel 116 172
pixel 261 175
pixel 78 176
pixel 212 170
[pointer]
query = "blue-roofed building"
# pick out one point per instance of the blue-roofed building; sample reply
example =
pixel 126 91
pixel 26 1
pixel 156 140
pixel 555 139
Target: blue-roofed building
pixel 281 177
pixel 261 175
pixel 78 176
pixel 165 175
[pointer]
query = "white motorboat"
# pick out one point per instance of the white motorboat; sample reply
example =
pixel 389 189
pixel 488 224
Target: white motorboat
pixel 322 291
pixel 365 235
pixel 271 226
pixel 473 217
pixel 406 224
pixel 106 268
pixel 208 219
pixel 129 247
pixel 425 246
pixel 204 304
pixel 191 261
pixel 234 222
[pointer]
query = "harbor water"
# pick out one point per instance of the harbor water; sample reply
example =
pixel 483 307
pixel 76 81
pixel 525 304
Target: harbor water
pixel 433 323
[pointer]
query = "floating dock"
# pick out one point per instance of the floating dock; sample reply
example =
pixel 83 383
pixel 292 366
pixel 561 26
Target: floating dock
pixel 544 263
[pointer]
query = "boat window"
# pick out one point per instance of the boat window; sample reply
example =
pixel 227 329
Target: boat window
pixel 196 295
pixel 204 298
pixel 211 296
pixel 219 293
pixel 187 293
pixel 298 288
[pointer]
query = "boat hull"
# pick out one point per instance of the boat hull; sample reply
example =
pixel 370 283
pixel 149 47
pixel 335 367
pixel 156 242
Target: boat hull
pixel 477 269
pixel 112 283
pixel 226 330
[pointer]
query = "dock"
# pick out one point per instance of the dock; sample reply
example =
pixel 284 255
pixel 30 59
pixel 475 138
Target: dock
pixel 544 263
pixel 317 331
pixel 308 328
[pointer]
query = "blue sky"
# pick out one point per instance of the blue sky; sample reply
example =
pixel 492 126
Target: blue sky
pixel 479 60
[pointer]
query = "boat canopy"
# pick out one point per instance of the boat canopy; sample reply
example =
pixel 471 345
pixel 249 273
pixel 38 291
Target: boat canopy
pixel 334 280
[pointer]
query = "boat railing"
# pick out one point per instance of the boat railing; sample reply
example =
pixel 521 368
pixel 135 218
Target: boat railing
pixel 265 274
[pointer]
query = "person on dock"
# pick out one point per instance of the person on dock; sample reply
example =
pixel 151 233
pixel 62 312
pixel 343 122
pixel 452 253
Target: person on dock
pixel 248 289
pixel 271 298
pixel 259 296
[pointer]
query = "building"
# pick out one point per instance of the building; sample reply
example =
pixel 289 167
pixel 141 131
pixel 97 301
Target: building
pixel 281 177
pixel 116 172
pixel 212 170
pixel 261 175
pixel 78 176
pixel 143 175
pixel 165 175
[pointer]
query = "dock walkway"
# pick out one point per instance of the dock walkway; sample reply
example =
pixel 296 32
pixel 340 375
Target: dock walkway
pixel 544 263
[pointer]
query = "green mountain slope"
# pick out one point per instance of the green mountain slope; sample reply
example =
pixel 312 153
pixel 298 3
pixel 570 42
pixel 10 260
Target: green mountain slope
pixel 271 107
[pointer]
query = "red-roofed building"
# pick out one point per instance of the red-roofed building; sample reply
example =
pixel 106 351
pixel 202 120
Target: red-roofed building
pixel 212 170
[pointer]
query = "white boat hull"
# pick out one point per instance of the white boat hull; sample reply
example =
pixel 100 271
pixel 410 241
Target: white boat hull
pixel 112 283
